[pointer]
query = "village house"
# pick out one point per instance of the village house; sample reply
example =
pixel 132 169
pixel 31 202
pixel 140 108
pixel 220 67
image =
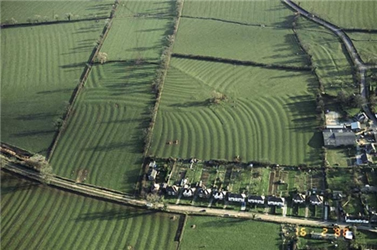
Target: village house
pixel 298 198
pixel 188 192
pixel 356 219
pixel 315 199
pixel 204 193
pixel 219 195
pixel 236 197
pixel 172 190
pixel 256 199
pixel 275 201
pixel 152 175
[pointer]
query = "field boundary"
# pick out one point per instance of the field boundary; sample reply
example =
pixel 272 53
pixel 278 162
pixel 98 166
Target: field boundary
pixel 79 87
pixel 239 62
pixel 18 25
pixel 180 230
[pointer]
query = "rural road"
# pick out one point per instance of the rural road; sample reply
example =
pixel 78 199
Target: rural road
pixel 114 196
pixel 358 63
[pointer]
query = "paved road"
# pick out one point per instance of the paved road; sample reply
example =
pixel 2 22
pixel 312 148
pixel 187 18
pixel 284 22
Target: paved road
pixel 127 200
pixel 359 64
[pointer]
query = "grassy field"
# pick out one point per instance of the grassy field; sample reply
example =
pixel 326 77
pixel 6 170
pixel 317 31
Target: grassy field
pixel 228 233
pixel 105 133
pixel 329 57
pixel 268 115
pixel 240 42
pixel 139 30
pixel 366 45
pixel 37 217
pixel 40 67
pixel 337 179
pixel 268 13
pixel 344 13
pixel 49 10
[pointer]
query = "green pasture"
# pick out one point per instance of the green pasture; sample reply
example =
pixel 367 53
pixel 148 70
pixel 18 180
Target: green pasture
pixel 341 157
pixel 38 217
pixel 269 45
pixel 42 11
pixel 344 13
pixel 366 45
pixel 105 132
pixel 268 115
pixel 266 12
pixel 139 30
pixel 40 68
pixel 330 59
pixel 229 233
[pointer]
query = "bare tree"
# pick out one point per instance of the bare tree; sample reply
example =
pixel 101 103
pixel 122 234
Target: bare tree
pixel 40 163
pixel 102 57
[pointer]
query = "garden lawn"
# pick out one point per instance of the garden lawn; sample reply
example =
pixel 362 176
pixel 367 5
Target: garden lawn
pixel 342 157
pixel 41 66
pixel 41 11
pixel 229 233
pixel 38 217
pixel 227 40
pixel 329 57
pixel 105 132
pixel 268 115
pixel 339 179
pixel 344 13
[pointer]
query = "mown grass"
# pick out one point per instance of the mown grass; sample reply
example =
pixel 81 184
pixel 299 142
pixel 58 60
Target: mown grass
pixel 342 157
pixel 21 11
pixel 344 13
pixel 268 115
pixel 38 217
pixel 40 68
pixel 366 45
pixel 240 42
pixel 139 30
pixel 268 13
pixel 330 59
pixel 105 132
pixel 229 233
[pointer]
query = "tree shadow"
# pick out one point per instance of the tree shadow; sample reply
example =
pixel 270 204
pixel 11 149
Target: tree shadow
pixel 114 214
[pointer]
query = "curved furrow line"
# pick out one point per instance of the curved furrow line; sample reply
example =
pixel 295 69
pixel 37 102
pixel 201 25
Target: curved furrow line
pixel 127 227
pixel 25 218
pixel 208 127
pixel 115 229
pixel 204 149
pixel 232 137
pixel 146 228
pixel 72 130
pixel 166 126
pixel 182 133
pixel 133 234
pixel 195 135
pixel 157 133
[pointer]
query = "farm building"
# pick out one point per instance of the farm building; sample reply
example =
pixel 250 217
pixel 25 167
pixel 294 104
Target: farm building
pixel 188 192
pixel 219 195
pixel 236 197
pixel 338 137
pixel 275 201
pixel 256 199
pixel 172 190
pixel 298 198
pixel 204 193
pixel 355 126
pixel 315 199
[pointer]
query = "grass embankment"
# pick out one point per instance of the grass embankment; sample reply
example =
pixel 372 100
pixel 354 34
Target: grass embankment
pixel 366 45
pixel 268 115
pixel 41 66
pixel 37 217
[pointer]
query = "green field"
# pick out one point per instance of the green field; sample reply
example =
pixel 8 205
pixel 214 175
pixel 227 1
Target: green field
pixel 265 12
pixel 240 42
pixel 49 10
pixel 268 115
pixel 338 179
pixel 344 13
pixel 40 67
pixel 38 217
pixel 229 233
pixel 366 45
pixel 104 134
pixel 341 157
pixel 329 57
pixel 139 30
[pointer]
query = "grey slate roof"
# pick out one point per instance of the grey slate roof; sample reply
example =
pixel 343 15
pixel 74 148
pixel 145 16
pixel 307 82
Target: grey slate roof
pixel 338 137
